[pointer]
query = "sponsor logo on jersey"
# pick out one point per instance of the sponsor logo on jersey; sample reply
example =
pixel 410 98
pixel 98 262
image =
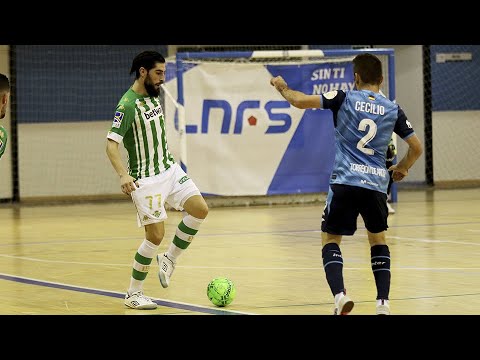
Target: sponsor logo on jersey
pixel 368 182
pixel 117 119
pixel 183 179
pixel 152 113
pixel 368 169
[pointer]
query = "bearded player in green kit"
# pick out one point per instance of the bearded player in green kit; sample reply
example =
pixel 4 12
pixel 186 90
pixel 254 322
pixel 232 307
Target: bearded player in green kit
pixel 153 176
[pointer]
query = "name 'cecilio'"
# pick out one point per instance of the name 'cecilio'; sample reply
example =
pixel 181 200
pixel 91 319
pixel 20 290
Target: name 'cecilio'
pixel 369 108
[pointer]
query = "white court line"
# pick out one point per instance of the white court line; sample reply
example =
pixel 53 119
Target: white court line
pixel 431 240
pixel 407 238
pixel 224 267
pixel 234 233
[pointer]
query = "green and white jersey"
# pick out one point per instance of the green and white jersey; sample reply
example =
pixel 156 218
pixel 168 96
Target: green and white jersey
pixel 139 122
pixel 3 140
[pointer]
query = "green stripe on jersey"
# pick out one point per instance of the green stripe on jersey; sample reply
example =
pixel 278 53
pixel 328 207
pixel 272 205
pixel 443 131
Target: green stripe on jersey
pixel 144 135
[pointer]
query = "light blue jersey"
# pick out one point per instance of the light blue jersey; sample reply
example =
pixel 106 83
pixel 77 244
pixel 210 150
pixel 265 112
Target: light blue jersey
pixel 364 122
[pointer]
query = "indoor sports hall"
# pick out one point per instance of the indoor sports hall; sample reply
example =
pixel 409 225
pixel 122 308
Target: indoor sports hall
pixel 68 235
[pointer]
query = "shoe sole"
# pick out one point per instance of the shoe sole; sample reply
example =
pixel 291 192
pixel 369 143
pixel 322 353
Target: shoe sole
pixel 347 307
pixel 142 307
pixel 383 311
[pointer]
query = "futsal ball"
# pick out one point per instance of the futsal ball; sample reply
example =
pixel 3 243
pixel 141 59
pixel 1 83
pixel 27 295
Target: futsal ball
pixel 221 291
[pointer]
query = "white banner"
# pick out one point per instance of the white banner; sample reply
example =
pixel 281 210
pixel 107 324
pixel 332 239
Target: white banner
pixel 244 138
pixel 229 151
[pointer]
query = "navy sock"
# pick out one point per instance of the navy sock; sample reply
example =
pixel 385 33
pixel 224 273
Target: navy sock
pixel 381 269
pixel 333 266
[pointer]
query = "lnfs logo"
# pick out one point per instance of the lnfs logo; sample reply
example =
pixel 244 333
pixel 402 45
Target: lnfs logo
pixel 280 122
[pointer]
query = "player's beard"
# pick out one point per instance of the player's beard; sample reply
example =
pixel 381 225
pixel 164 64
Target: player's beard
pixel 150 87
pixel 3 113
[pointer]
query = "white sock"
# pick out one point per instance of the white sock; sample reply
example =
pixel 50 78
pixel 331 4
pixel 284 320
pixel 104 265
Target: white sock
pixel 190 224
pixel 148 250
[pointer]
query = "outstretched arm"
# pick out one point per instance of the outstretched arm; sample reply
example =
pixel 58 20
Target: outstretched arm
pixel 296 98
pixel 400 170
pixel 127 183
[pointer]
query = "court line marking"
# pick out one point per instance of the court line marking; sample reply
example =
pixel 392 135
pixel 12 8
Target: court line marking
pixel 278 233
pixel 116 294
pixel 193 307
pixel 232 267
pixel 421 297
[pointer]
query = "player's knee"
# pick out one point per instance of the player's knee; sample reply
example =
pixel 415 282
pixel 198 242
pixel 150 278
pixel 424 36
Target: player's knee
pixel 155 235
pixel 376 236
pixel 196 207
pixel 201 211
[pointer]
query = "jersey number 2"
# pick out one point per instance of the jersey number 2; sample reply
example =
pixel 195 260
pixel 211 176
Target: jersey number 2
pixel 372 131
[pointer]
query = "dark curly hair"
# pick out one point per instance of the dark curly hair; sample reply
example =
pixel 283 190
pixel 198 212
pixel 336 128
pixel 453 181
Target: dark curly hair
pixel 146 59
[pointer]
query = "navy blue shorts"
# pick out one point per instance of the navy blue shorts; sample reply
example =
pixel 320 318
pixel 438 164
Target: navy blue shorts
pixel 344 204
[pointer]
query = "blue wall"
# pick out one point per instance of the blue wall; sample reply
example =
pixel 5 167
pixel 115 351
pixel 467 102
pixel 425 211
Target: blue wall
pixel 455 84
pixel 63 83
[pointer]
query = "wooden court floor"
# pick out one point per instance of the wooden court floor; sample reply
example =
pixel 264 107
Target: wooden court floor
pixel 76 259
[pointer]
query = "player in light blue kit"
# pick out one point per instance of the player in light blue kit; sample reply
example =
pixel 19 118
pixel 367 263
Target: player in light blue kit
pixel 364 121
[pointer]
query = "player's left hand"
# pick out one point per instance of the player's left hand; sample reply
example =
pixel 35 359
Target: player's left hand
pixel 398 173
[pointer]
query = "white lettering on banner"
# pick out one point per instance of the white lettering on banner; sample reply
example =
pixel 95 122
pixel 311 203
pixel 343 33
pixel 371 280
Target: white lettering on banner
pixel 375 109
pixel 323 88
pixel 325 74
pixel 367 169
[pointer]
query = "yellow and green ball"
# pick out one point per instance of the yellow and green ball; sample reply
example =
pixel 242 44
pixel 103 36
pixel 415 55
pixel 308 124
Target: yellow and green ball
pixel 221 291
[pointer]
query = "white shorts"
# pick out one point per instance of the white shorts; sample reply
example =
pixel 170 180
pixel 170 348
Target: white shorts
pixel 172 186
